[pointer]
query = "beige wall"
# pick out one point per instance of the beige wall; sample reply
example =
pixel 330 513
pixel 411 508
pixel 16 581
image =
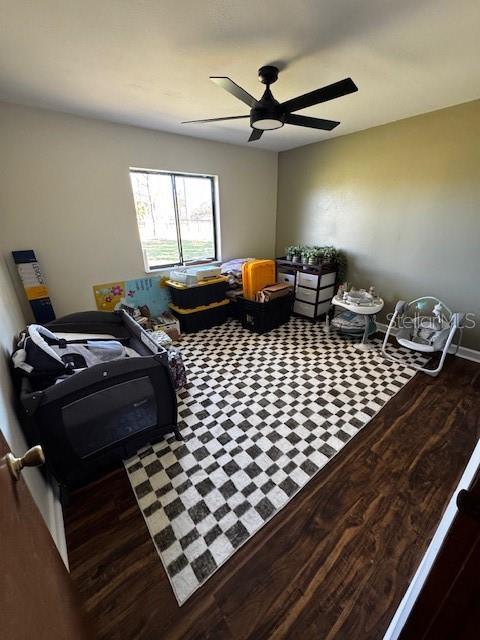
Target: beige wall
pixel 11 321
pixel 65 192
pixel 403 200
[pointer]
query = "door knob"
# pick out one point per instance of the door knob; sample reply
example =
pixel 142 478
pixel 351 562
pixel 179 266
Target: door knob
pixel 34 457
pixel 469 504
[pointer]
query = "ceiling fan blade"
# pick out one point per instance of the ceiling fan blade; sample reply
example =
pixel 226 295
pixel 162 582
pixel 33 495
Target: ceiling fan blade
pixel 255 135
pixel 313 123
pixel 331 91
pixel 234 89
pixel 215 119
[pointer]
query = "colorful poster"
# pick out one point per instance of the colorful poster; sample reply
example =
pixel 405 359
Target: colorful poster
pixel 149 291
pixel 108 295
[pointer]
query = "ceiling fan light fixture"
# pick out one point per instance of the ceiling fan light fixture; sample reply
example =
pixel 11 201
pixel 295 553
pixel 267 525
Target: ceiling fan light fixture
pixel 267 124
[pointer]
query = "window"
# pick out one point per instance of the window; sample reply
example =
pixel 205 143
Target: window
pixel 175 216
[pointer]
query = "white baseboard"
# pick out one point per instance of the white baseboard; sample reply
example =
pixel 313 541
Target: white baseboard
pixel 56 523
pixel 468 354
pixel 383 328
pixel 463 352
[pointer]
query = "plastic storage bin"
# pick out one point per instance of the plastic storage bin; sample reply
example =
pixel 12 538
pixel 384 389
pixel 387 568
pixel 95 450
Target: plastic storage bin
pixel 203 317
pixel 257 274
pixel 201 294
pixel 261 317
pixel 194 275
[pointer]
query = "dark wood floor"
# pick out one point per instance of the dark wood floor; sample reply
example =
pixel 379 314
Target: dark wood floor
pixel 334 563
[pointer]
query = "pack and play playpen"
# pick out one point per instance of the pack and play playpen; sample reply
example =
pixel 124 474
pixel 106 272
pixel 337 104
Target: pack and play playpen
pixel 94 388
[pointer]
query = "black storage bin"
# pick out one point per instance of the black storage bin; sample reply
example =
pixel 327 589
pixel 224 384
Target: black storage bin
pixel 199 295
pixel 201 317
pixel 261 317
pixel 234 308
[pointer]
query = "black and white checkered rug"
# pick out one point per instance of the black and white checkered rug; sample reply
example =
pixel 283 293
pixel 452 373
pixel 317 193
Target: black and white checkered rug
pixel 261 415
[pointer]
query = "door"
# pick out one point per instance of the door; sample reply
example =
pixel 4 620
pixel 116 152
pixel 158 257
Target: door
pixel 448 606
pixel 37 599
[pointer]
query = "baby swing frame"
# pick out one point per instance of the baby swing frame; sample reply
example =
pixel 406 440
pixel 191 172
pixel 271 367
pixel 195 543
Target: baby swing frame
pixel 455 323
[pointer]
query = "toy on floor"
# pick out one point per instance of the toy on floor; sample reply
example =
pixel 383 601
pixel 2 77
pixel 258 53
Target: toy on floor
pixel 426 325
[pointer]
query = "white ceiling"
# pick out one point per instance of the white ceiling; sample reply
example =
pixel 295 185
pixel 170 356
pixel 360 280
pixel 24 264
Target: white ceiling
pixel 148 62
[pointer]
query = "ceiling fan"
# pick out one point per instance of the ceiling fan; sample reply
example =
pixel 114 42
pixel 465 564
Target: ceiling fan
pixel 267 113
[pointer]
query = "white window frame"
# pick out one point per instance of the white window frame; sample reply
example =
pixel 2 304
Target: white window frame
pixel 216 218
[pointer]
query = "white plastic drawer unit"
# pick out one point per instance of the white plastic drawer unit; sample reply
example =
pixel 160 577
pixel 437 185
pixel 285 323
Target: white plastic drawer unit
pixel 306 295
pixel 308 310
pixel 325 294
pixel 328 278
pixel 304 309
pixel 309 280
pixel 323 307
pixel 286 278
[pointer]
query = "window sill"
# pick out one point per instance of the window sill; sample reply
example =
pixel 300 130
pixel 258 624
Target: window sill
pixel 168 268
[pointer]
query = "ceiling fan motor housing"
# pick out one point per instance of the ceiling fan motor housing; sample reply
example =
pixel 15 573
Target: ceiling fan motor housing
pixel 267 113
pixel 268 74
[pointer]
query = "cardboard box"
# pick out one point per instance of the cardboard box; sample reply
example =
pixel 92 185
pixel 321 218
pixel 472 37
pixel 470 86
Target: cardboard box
pixel 272 292
pixel 168 323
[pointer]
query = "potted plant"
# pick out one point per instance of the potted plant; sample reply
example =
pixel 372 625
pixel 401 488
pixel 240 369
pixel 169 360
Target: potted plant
pixel 330 255
pixel 327 255
pixel 318 251
pixel 296 253
pixel 291 252
pixel 311 255
pixel 305 252
pixel 341 263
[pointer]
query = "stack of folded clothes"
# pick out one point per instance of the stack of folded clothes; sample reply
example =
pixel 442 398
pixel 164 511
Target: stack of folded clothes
pixel 233 270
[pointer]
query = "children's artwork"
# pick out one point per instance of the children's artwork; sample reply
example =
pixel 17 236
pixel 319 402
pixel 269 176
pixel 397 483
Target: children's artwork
pixel 107 296
pixel 133 293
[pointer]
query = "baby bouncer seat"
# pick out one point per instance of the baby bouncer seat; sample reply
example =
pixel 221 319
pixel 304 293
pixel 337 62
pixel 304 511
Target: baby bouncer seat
pixel 425 325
